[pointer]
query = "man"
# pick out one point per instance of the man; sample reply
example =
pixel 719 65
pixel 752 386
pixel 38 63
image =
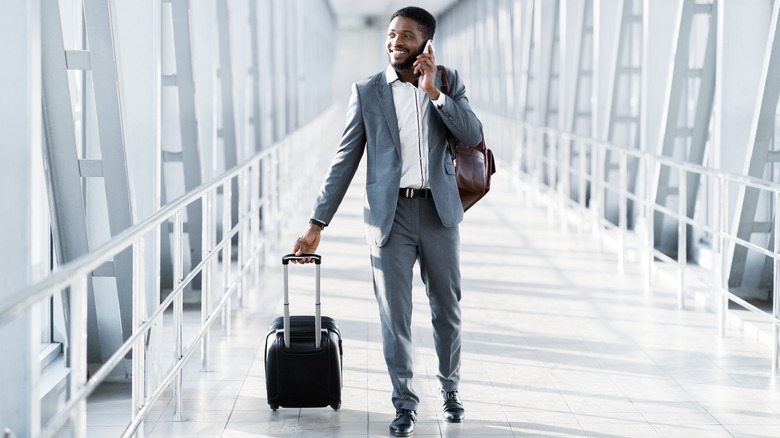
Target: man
pixel 401 119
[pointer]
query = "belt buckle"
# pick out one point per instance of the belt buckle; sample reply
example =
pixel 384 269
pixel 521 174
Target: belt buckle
pixel 409 192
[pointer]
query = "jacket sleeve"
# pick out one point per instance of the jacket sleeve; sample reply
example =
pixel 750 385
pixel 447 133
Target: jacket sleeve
pixel 457 114
pixel 345 163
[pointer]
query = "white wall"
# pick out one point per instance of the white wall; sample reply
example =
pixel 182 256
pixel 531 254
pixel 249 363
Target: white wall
pixel 366 44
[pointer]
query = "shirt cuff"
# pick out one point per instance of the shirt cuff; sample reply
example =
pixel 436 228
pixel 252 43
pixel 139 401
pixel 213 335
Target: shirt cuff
pixel 440 101
pixel 318 223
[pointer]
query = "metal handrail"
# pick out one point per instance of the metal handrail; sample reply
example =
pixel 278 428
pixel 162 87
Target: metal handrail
pixel 758 183
pixel 277 184
pixel 529 165
pixel 63 276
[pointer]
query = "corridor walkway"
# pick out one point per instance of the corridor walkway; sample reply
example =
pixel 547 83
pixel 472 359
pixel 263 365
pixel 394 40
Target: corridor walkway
pixel 557 344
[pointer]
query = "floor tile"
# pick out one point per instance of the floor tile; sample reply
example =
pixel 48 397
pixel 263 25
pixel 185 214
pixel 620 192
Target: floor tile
pixel 557 343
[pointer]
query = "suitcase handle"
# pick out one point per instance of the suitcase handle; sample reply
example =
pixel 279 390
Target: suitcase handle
pixel 317 258
pixel 317 316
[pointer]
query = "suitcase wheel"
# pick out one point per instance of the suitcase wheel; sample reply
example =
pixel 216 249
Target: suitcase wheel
pixel 336 406
pixel 274 407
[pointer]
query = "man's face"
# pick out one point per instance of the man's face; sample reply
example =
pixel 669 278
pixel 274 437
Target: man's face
pixel 404 42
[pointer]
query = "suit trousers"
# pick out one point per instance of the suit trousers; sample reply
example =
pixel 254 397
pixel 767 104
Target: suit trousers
pixel 418 235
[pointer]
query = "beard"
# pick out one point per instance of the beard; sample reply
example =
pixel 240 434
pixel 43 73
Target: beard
pixel 408 63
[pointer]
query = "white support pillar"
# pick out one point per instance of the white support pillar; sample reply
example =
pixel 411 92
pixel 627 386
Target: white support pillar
pixel 547 16
pixel 279 79
pixel 205 47
pixel 23 252
pixel 606 28
pixel 138 35
pixel 754 218
pixel 659 23
pixel 739 69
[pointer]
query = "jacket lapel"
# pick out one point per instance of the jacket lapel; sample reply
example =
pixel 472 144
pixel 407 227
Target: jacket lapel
pixel 385 96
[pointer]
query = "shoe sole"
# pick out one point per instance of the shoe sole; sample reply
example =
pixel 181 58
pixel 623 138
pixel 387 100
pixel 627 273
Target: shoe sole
pixel 454 420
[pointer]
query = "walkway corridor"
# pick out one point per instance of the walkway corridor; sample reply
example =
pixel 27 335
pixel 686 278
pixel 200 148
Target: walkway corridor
pixel 557 344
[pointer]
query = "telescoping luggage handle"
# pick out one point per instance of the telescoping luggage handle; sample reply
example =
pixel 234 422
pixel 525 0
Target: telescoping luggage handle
pixel 317 317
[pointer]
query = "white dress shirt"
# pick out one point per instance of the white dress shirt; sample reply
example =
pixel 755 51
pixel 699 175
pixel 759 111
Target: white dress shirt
pixel 411 110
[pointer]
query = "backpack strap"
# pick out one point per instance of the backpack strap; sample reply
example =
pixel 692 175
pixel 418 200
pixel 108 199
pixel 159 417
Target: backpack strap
pixel 445 88
pixel 445 85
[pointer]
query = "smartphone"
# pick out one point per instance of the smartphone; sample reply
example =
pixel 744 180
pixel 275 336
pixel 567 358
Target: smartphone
pixel 426 50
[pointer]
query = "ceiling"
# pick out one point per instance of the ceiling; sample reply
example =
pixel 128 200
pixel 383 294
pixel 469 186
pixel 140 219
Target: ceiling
pixel 357 13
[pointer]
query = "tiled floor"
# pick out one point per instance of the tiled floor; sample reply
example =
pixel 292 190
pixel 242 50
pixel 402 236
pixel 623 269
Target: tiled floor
pixel 557 344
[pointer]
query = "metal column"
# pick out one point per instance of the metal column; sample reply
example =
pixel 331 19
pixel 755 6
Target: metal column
pixel 188 153
pixel 24 222
pixel 548 15
pixel 257 114
pixel 257 124
pixel 63 175
pixel 686 132
pixel 554 66
pixel 228 130
pixel 530 63
pixel 528 78
pixel 580 118
pixel 65 166
pixel 622 120
pixel 580 115
pixel 761 138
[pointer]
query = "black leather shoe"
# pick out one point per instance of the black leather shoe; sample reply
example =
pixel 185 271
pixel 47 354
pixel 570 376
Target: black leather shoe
pixel 451 406
pixel 403 425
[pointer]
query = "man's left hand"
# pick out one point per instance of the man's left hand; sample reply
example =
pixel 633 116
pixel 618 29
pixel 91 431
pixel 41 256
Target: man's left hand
pixel 425 66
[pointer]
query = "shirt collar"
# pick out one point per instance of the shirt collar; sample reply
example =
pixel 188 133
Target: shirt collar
pixel 391 75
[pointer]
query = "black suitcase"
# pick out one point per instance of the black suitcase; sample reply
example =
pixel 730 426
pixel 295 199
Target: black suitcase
pixel 298 372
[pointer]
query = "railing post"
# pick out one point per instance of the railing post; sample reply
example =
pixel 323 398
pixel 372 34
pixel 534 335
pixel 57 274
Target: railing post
pixel 565 172
pixel 205 293
pixel 525 163
pixel 178 311
pixel 682 250
pixel 583 182
pixel 534 164
pixel 139 349
pixel 517 157
pixel 723 299
pixel 265 200
pixel 78 352
pixel 650 212
pixel 598 195
pixel 552 167
pixel 256 201
pixel 244 215
pixel 272 183
pixel 623 211
pixel 776 290
pixel 536 138
pixel 595 199
pixel 227 249
pixel 278 190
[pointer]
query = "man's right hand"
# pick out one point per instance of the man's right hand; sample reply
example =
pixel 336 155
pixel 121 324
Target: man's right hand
pixel 307 243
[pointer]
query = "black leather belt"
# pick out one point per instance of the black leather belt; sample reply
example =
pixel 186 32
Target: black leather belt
pixel 415 193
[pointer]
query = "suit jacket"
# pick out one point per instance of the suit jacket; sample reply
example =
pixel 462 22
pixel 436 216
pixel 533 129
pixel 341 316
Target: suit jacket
pixel 372 126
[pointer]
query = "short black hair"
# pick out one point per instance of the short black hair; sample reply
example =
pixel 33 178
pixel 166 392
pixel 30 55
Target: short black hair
pixel 424 18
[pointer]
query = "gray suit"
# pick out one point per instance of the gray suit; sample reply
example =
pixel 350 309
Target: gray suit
pixel 401 231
